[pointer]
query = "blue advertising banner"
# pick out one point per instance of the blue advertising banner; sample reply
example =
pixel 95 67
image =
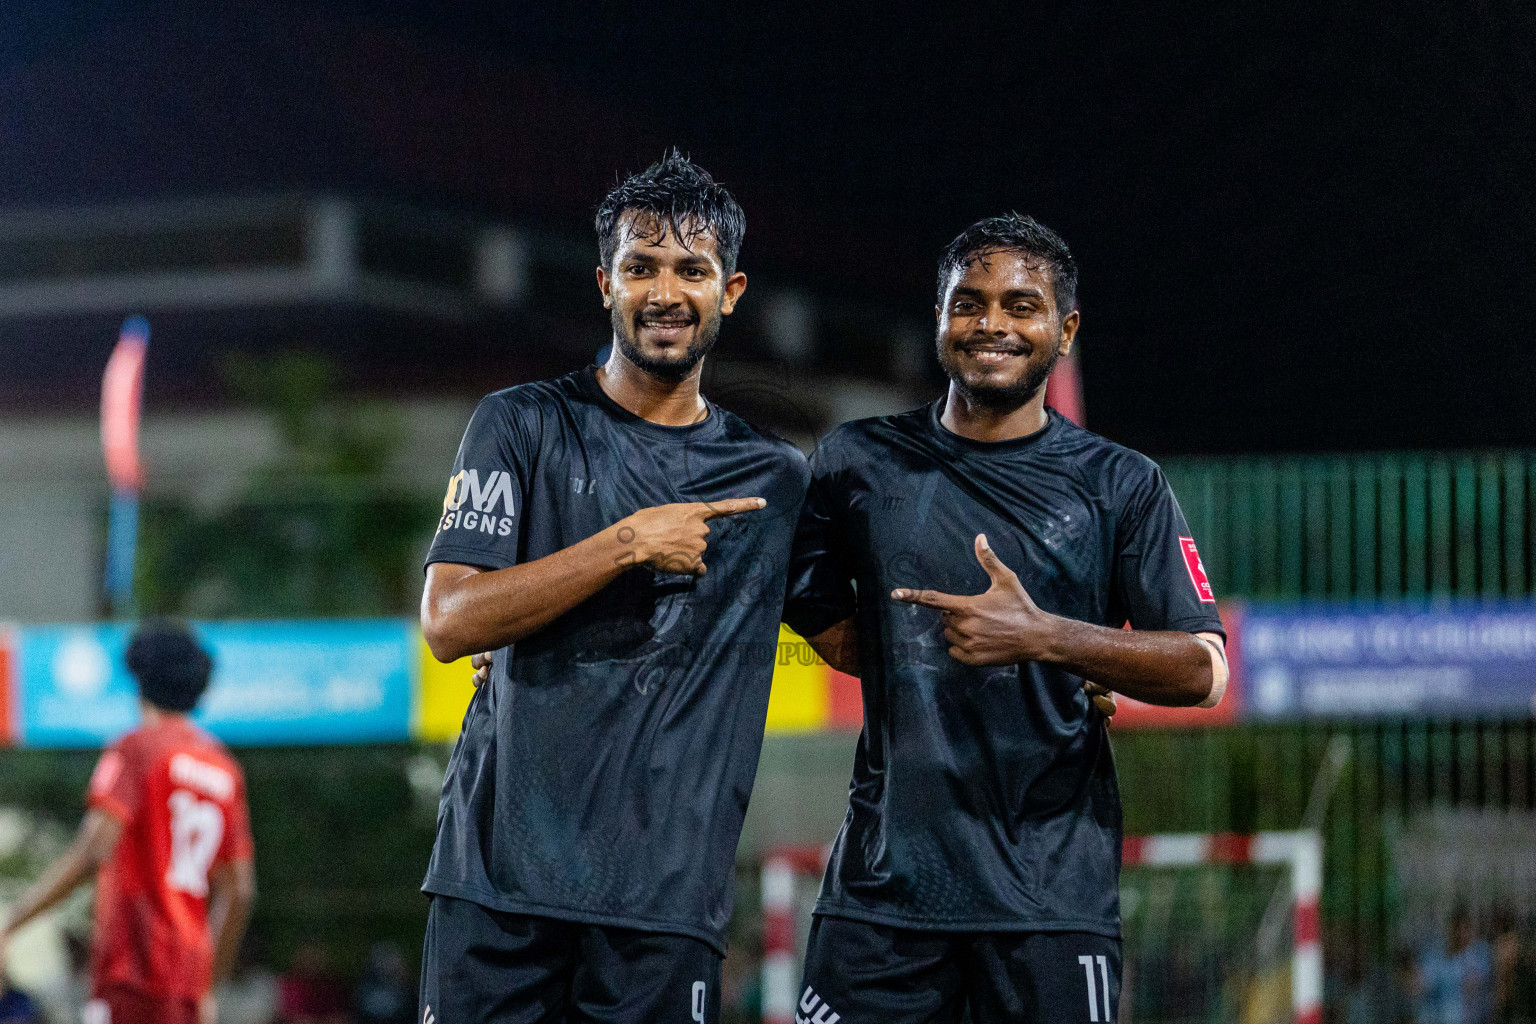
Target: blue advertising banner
pixel 273 683
pixel 1443 661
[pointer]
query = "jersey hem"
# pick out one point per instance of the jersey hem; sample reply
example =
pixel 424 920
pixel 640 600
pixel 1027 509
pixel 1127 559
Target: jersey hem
pixel 1012 924
pixel 468 556
pixel 1195 626
pixel 497 901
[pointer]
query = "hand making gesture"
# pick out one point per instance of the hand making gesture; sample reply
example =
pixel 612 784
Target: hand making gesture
pixel 1002 626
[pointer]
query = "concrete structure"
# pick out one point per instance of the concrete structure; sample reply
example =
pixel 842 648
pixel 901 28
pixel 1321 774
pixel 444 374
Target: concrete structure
pixel 53 489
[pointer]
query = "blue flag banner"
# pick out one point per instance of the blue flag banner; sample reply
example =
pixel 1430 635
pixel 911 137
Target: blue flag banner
pixel 273 683
pixel 1456 660
pixel 122 546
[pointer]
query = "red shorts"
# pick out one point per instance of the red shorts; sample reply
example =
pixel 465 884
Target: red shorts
pixel 130 1006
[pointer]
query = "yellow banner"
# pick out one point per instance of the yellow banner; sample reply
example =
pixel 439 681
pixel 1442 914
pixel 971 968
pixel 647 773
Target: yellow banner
pixel 442 698
pixel 799 701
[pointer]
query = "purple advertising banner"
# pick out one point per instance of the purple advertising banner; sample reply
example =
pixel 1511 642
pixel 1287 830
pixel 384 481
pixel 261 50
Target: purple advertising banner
pixel 1441 661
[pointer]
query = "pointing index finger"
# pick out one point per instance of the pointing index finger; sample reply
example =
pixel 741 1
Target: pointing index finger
pixel 928 599
pixel 731 506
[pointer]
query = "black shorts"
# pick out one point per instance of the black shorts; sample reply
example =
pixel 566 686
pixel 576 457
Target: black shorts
pixel 483 966
pixel 859 971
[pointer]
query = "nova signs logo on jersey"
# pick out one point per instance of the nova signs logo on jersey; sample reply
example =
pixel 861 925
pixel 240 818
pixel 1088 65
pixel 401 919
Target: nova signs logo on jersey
pixel 465 487
pixel 1196 569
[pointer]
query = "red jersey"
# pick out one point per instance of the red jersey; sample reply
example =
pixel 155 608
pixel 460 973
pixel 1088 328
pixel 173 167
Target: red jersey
pixel 181 799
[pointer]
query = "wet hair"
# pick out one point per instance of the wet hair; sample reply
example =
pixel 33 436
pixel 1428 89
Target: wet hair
pixel 683 199
pixel 172 669
pixel 1013 232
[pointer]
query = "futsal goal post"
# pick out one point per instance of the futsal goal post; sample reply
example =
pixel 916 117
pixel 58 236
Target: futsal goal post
pixel 790 875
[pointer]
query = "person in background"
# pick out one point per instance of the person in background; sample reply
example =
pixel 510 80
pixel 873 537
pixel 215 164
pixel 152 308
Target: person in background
pixel 16 1007
pixel 1471 966
pixel 1514 963
pixel 1456 977
pixel 1404 981
pixel 311 992
pixel 167 837
pixel 384 994
pixel 249 994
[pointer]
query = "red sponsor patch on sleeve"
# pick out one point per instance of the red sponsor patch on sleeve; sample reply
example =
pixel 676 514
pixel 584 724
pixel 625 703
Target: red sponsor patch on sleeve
pixel 1196 569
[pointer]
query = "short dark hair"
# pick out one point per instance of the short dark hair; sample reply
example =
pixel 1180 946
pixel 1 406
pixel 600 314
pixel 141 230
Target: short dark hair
pixel 171 667
pixel 684 199
pixel 1013 232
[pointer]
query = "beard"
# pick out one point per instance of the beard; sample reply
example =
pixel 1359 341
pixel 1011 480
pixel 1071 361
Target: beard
pixel 672 369
pixel 1008 397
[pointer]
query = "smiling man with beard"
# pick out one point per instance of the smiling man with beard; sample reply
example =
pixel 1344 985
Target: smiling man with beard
pixel 978 866
pixel 589 817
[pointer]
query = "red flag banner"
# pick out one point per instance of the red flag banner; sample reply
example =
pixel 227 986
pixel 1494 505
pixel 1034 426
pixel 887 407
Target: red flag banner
pixel 121 390
pixel 8 687
pixel 1064 389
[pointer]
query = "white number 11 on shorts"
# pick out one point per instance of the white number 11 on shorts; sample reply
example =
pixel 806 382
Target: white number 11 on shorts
pixel 1093 1001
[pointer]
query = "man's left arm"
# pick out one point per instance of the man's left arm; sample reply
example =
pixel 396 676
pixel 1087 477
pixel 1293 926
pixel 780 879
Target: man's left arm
pixel 231 884
pixel 231 894
pixel 1004 626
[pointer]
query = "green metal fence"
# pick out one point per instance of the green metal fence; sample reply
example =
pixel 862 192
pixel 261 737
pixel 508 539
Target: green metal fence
pixel 1421 817
pixel 1363 526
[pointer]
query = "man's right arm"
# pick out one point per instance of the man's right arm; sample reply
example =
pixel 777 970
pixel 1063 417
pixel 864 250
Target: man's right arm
pixel 93 844
pixel 838 646
pixel 466 609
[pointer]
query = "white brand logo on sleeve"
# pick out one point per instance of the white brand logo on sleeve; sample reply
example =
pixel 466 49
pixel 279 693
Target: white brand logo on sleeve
pixel 1196 569
pixel 465 487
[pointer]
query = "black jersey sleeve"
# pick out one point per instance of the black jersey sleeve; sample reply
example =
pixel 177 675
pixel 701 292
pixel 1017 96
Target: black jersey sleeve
pixel 479 522
pixel 1160 582
pixel 820 590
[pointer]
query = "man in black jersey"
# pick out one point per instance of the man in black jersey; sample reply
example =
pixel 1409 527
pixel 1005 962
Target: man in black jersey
pixel 589 817
pixel 974 562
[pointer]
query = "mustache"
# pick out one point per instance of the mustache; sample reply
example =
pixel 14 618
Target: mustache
pixel 670 318
pixel 993 345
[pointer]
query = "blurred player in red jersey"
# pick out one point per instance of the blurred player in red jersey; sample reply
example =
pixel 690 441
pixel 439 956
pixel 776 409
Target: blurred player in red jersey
pixel 168 836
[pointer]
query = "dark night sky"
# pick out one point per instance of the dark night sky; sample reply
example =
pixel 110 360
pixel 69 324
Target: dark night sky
pixel 1299 230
